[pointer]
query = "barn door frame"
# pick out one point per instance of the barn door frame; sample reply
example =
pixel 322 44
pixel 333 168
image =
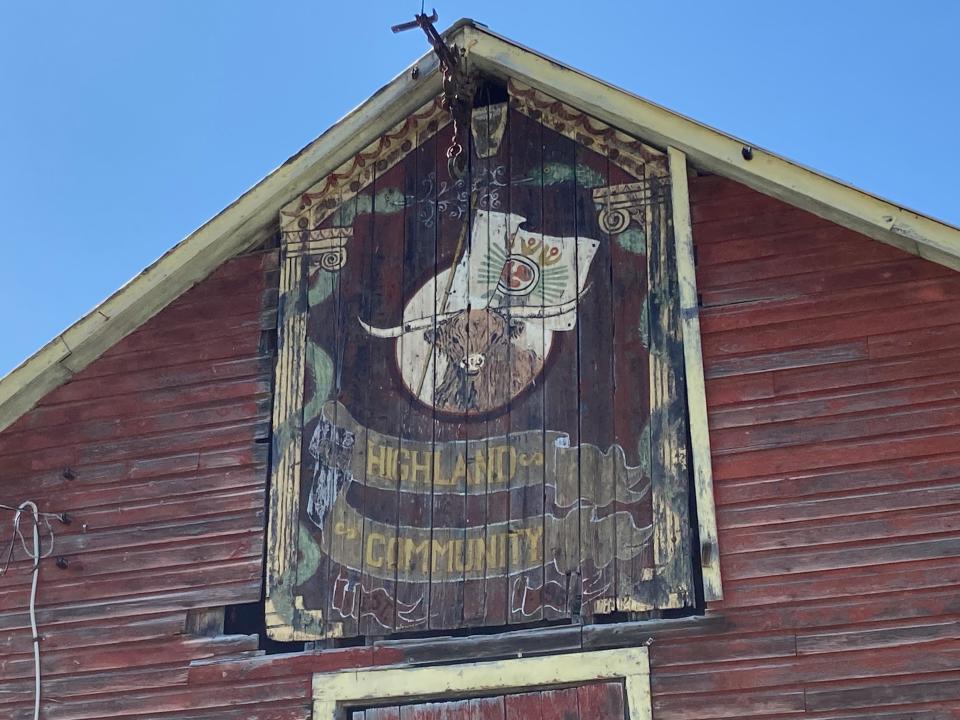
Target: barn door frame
pixel 335 692
pixel 686 272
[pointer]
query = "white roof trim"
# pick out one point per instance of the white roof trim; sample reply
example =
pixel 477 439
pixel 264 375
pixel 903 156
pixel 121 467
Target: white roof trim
pixel 246 221
pixel 719 153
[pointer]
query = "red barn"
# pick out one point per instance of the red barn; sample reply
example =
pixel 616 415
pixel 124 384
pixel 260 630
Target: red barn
pixel 513 395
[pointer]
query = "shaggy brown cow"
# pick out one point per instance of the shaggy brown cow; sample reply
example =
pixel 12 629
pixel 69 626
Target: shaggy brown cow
pixel 485 368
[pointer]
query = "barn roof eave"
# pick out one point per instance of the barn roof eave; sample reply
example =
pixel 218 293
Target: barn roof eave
pixel 717 152
pixel 248 219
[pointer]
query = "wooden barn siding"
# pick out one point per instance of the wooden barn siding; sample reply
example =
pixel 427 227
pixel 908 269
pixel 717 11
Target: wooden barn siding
pixel 833 367
pixel 161 435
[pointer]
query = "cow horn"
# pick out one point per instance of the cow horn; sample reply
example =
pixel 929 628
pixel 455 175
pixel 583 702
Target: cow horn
pixel 382 332
pixel 412 326
pixel 542 312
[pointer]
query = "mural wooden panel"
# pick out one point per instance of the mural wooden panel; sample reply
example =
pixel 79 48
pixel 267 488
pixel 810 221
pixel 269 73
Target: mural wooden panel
pixel 480 414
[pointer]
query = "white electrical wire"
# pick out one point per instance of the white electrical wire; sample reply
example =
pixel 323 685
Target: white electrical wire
pixel 35 555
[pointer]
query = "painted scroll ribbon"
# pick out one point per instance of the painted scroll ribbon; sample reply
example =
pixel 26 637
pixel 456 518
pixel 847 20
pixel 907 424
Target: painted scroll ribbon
pixel 366 484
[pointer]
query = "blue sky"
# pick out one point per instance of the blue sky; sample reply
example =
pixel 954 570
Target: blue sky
pixel 125 125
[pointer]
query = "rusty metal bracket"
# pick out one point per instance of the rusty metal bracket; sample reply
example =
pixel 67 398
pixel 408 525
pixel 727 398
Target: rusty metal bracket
pixel 459 85
pixel 448 57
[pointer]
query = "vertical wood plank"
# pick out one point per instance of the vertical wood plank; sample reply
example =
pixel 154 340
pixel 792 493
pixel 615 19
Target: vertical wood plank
pixel 631 400
pixel 637 691
pixel 498 197
pixel 453 710
pixel 383 713
pixel 490 708
pixel 415 505
pixel 513 423
pixel 595 341
pixel 430 711
pixel 522 706
pixel 478 475
pixel 287 429
pixel 526 410
pixel 378 306
pixel 559 704
pixel 204 621
pixel 323 710
pixel 601 701
pixel 696 391
pixel 565 214
pixel 342 609
pixel 668 438
pixel 389 415
pixel 491 183
pixel 322 292
pixel 449 500
pixel 417 421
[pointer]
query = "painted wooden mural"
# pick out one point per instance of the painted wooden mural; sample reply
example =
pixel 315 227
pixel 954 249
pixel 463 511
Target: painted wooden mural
pixel 479 415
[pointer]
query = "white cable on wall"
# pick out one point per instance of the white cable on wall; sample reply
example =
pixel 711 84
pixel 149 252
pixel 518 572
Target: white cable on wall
pixel 35 554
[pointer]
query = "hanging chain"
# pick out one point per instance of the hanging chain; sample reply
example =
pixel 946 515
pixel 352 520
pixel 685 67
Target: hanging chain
pixel 458 86
pixel 458 91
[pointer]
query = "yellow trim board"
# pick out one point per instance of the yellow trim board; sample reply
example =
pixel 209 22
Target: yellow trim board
pixel 696 387
pixel 333 692
pixel 253 216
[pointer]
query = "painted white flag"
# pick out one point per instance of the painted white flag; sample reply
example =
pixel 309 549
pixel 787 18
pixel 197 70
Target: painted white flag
pixel 507 266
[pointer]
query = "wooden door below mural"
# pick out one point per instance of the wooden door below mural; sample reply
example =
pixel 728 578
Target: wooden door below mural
pixel 594 701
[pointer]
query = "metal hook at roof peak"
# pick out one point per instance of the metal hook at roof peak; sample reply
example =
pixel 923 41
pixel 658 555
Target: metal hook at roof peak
pixel 458 86
pixel 447 55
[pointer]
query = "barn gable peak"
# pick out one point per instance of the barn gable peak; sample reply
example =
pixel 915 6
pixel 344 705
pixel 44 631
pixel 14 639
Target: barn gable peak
pixel 252 218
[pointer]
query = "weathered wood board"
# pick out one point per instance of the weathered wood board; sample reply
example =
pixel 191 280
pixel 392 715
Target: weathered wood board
pixel 593 701
pixel 480 382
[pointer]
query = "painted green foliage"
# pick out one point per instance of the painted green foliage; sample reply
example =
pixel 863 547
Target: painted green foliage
pixel 633 240
pixel 322 284
pixel 320 288
pixel 387 200
pixel 319 363
pixel 643 450
pixel 554 173
pixel 320 368
pixel 308 548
